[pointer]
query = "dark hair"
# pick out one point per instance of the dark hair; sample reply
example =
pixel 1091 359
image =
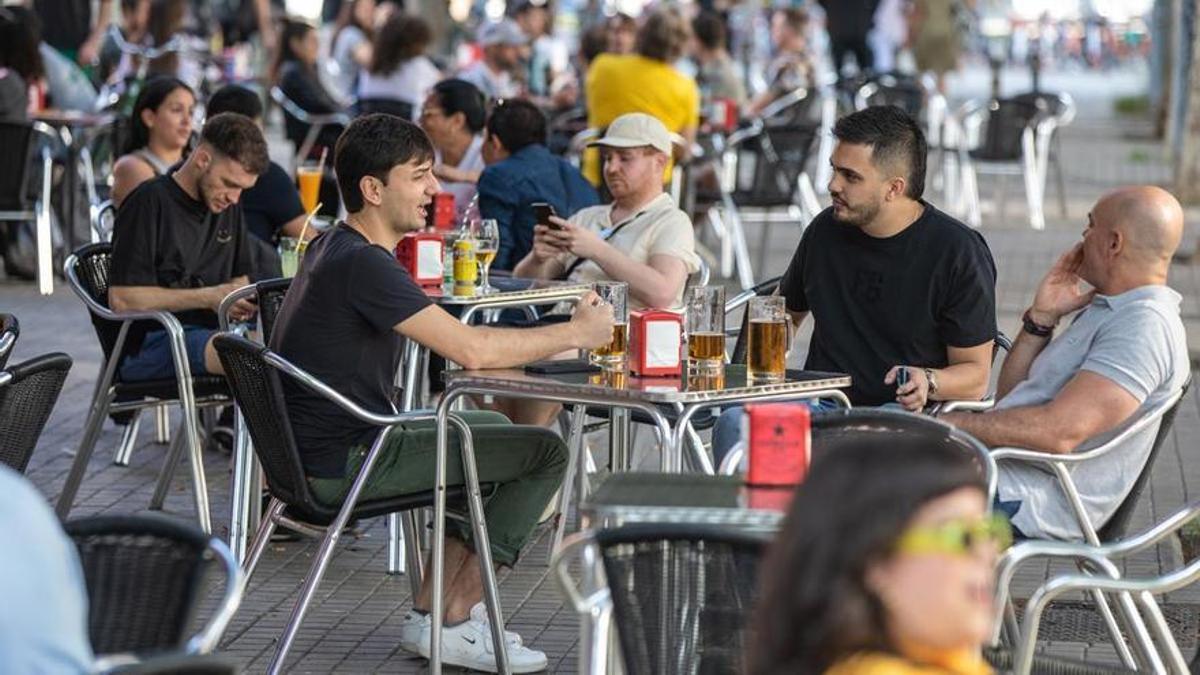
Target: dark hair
pixel 896 141
pixel 517 123
pixel 346 18
pixel 403 37
pixel 460 96
pixel 130 5
pixel 290 29
pixel 152 96
pixel 663 36
pixel 165 21
pixel 709 29
pixel 238 138
pixel 815 608
pixel 593 42
pixel 371 146
pixel 235 98
pixel 20 34
pixel 794 17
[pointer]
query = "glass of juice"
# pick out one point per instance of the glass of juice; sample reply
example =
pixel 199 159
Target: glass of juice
pixel 308 179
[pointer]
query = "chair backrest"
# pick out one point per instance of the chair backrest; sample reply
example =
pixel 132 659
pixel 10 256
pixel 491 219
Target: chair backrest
pixel 698 622
pixel 387 106
pixel 1059 105
pixel 90 267
pixel 26 400
pixel 769 164
pixel 104 216
pixel 270 300
pixel 258 391
pixel 1118 525
pixel 10 330
pixel 900 91
pixel 144 575
pixel 767 287
pixel 1004 126
pixel 19 138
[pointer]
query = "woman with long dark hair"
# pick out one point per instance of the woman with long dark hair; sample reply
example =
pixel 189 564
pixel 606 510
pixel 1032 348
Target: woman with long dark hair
pixel 351 47
pixel 22 74
pixel 159 131
pixel 883 564
pixel 400 70
pixel 295 71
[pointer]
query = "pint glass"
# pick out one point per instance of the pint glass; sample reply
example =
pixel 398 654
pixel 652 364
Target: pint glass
pixel 706 327
pixel 767 343
pixel 616 294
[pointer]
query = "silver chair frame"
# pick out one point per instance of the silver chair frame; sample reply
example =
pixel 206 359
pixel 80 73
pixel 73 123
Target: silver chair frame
pixel 101 214
pixel 330 534
pixel 315 122
pixel 43 228
pixel 102 404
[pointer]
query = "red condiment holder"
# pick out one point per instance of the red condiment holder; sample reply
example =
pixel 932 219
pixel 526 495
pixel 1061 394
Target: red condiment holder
pixel 440 215
pixel 421 254
pixel 779 440
pixel 655 339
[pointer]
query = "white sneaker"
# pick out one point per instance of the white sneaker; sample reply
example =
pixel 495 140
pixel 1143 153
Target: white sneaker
pixel 414 630
pixel 469 645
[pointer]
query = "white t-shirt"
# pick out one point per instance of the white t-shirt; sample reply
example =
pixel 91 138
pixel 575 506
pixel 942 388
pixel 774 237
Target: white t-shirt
pixel 343 55
pixel 493 85
pixel 660 228
pixel 409 82
pixel 472 160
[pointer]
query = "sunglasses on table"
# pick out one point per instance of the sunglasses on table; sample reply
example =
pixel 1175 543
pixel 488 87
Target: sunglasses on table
pixel 957 537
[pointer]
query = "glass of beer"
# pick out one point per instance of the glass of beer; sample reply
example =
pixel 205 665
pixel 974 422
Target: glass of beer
pixel 487 238
pixel 706 327
pixel 767 343
pixel 308 179
pixel 615 293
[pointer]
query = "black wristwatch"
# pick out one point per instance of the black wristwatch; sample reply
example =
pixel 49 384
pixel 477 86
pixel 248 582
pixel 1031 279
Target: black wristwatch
pixel 1034 328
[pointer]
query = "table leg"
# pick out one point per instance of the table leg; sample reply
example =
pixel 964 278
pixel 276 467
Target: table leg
pixel 621 455
pixel 243 474
pixel 412 379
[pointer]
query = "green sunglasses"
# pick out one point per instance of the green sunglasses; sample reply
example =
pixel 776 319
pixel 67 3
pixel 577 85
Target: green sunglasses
pixel 957 537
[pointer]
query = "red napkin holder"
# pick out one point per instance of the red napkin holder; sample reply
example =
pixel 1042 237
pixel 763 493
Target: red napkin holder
pixel 779 438
pixel 421 254
pixel 724 114
pixel 655 339
pixel 440 213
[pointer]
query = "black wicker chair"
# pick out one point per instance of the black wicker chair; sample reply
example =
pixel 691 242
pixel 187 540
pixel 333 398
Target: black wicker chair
pixel 270 300
pixel 253 373
pixel 87 274
pixel 145 576
pixel 895 89
pixel 28 392
pixel 387 106
pixel 10 330
pixel 1007 145
pixel 681 594
pixel 174 664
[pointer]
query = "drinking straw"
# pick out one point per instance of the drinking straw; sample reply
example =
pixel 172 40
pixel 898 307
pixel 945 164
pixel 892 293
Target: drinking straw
pixel 304 228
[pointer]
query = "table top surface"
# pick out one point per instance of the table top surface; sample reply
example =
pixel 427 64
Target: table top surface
pixel 686 498
pixel 73 118
pixel 512 290
pixel 729 385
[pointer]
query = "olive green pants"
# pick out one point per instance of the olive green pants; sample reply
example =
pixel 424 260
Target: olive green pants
pixel 525 464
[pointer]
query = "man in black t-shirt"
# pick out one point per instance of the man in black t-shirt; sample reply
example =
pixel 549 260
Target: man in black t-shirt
pixel 343 320
pixel 179 244
pixel 890 281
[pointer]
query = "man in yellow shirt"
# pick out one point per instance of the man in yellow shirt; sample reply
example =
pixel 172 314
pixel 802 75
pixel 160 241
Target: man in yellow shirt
pixel 646 82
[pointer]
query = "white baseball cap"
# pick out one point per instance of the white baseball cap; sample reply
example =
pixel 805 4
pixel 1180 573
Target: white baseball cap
pixel 636 130
pixel 505 32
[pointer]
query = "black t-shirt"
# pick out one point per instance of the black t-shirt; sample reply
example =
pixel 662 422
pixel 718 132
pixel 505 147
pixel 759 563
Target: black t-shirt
pixel 271 203
pixel 162 237
pixel 878 303
pixel 337 323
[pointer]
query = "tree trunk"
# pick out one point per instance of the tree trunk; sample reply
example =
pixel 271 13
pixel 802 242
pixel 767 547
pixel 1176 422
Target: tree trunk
pixel 1187 166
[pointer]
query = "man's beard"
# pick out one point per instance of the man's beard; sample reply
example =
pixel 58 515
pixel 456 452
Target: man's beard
pixel 860 216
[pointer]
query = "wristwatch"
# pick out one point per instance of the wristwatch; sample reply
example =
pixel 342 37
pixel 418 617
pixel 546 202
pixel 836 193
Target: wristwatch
pixel 1034 328
pixel 932 382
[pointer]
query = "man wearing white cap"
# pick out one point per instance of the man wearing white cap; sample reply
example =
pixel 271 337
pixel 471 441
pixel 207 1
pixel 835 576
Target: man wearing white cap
pixel 502 43
pixel 641 238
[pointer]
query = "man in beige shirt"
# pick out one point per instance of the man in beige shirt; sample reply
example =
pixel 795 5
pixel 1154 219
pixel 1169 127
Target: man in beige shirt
pixel 642 238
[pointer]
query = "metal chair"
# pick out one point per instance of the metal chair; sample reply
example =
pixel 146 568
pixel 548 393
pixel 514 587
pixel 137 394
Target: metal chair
pixel 1156 646
pixel 28 392
pixel 87 274
pixel 22 140
pixel 680 595
pixel 10 330
pixel 906 92
pixel 1060 111
pixel 315 123
pixel 145 578
pixel 1007 145
pixel 104 216
pixel 387 106
pixel 253 372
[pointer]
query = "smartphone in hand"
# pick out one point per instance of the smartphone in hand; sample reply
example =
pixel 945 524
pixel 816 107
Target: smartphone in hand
pixel 901 377
pixel 542 212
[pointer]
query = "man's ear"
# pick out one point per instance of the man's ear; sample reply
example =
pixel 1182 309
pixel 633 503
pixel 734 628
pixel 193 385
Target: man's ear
pixel 203 157
pixel 371 189
pixel 897 186
pixel 1116 241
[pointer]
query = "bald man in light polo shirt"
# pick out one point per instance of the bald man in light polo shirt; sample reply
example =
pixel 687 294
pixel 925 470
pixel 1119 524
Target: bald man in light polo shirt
pixel 1120 357
pixel 641 238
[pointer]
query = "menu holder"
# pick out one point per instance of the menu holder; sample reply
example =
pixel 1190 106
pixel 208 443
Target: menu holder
pixel 421 254
pixel 655 338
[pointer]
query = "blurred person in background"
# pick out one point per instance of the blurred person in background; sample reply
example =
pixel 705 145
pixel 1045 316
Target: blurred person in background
pixel 889 34
pixel 166 21
pixel 848 22
pixel 160 129
pixel 548 81
pixel 645 82
pixel 520 172
pixel 399 69
pixel 622 34
pixel 72 28
pixel 453 116
pixel 718 78
pixel 936 41
pixel 496 74
pixel 884 564
pixel 353 43
pixel 22 72
pixel 135 19
pixel 792 67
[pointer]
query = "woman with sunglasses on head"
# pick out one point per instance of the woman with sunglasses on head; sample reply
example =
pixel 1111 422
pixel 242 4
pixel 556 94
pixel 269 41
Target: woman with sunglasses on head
pixel 883 565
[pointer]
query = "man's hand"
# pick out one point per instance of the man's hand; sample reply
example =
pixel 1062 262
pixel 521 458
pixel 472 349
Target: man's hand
pixel 593 322
pixel 915 393
pixel 242 309
pixel 545 247
pixel 578 241
pixel 1059 293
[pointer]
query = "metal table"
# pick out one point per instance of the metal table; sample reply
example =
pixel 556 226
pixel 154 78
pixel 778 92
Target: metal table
pixel 76 130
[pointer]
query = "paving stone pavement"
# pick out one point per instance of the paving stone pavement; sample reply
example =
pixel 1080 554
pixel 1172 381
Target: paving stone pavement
pixel 354 620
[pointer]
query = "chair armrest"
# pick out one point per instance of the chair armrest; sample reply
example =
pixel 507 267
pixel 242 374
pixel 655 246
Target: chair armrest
pixel 248 291
pixel 206 640
pixel 964 406
pixel 584 541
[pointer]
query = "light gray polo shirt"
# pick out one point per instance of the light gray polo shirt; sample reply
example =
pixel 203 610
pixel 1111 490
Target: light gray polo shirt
pixel 1136 339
